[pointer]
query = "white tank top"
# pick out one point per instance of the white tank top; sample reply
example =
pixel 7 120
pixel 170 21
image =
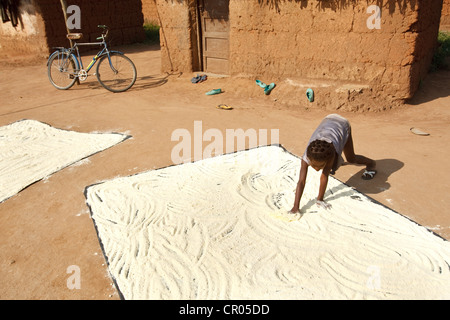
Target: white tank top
pixel 333 129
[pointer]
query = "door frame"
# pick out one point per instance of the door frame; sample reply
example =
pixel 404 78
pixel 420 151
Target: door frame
pixel 200 35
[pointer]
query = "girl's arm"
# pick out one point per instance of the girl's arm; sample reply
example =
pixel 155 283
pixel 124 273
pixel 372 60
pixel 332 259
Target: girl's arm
pixel 300 186
pixel 323 184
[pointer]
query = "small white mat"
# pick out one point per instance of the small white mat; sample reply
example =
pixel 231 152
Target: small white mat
pixel 219 229
pixel 31 150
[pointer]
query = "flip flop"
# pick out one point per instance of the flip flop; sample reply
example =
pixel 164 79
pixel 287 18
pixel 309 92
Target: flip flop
pixel 199 78
pixel 269 88
pixel 419 132
pixel 369 174
pixel 214 91
pixel 196 79
pixel 224 107
pixel 310 95
pixel 261 84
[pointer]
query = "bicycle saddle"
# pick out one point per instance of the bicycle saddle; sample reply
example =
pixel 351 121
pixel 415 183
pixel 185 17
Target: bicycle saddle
pixel 74 36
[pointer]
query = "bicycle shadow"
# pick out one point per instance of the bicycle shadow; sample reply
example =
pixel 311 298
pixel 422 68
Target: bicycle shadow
pixel 144 82
pixel 147 82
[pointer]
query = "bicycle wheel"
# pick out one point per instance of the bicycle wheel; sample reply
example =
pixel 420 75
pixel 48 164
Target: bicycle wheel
pixel 117 76
pixel 62 70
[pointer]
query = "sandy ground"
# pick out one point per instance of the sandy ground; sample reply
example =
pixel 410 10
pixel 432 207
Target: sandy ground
pixel 46 228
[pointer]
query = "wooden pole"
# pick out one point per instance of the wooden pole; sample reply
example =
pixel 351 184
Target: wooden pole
pixel 64 9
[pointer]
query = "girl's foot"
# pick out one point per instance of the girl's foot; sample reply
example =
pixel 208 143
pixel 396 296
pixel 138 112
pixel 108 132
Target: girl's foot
pixel 369 174
pixel 370 171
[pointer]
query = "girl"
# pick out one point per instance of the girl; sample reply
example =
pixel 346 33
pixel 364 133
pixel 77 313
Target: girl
pixel 332 137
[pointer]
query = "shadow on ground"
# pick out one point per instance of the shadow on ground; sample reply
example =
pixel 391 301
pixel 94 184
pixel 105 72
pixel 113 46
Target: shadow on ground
pixel 385 168
pixel 436 85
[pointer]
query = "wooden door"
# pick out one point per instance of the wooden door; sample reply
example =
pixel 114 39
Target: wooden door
pixel 215 26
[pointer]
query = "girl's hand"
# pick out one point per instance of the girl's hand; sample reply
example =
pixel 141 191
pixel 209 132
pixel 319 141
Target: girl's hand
pixel 323 205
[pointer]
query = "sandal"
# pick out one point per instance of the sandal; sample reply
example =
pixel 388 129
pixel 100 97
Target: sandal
pixel 214 91
pixel 199 78
pixel 269 88
pixel 310 95
pixel 369 174
pixel 261 84
pixel 419 132
pixel 224 107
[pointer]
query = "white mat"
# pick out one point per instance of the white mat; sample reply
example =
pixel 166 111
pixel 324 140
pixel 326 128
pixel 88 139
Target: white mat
pixel 219 229
pixel 31 150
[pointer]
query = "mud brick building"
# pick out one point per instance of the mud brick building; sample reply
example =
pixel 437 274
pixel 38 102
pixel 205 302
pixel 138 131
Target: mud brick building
pixel 344 49
pixel 328 40
pixel 150 12
pixel 42 25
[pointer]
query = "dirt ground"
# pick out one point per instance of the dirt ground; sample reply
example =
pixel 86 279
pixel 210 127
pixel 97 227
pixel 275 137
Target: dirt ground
pixel 47 227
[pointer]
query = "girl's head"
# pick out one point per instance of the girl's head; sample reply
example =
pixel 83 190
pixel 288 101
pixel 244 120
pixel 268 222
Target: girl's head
pixel 319 152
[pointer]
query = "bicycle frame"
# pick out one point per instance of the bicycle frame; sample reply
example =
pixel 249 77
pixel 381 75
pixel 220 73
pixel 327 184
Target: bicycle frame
pixel 65 65
pixel 98 55
pixel 101 53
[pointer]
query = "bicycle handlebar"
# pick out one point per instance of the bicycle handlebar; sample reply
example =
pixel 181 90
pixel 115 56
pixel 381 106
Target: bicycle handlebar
pixel 104 35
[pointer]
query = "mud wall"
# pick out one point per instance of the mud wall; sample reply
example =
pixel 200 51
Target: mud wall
pixel 179 35
pixel 445 18
pixel 149 11
pixel 326 40
pixel 124 17
pixel 331 40
pixel 42 25
pixel 25 40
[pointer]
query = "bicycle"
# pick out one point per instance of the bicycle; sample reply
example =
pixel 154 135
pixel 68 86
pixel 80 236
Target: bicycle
pixel 115 71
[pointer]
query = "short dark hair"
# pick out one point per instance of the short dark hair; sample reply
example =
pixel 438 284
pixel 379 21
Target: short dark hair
pixel 320 150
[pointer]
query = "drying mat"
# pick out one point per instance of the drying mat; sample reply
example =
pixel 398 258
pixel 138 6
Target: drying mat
pixel 219 229
pixel 31 150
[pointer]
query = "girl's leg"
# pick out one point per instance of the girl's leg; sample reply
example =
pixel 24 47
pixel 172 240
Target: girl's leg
pixel 355 158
